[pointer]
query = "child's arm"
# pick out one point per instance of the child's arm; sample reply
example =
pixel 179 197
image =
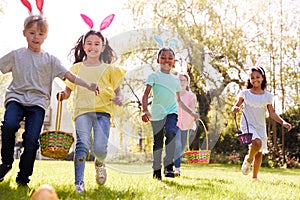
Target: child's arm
pixel 118 98
pixel 146 115
pixel 236 107
pixel 187 109
pixel 277 118
pixel 78 81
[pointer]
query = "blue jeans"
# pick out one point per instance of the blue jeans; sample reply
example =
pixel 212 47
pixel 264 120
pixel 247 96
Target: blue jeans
pixel 166 127
pixel 100 123
pixel 34 118
pixel 180 143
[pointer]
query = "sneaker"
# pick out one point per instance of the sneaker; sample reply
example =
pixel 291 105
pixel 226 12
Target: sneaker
pixel 22 184
pixel 157 174
pixel 169 172
pixel 177 172
pixel 80 187
pixel 100 173
pixel 246 166
pixel 4 169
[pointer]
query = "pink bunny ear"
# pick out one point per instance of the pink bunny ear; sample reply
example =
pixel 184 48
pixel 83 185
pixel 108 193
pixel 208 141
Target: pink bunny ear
pixel 106 22
pixel 27 5
pixel 39 5
pixel 87 20
pixel 249 62
pixel 259 61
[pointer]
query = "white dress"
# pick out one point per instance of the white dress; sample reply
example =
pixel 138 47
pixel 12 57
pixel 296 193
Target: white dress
pixel 255 107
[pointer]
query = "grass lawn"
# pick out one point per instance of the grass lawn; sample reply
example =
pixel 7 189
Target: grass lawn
pixel 134 181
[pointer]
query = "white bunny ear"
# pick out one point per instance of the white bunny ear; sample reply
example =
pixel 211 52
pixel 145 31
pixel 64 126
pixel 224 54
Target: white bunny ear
pixel 173 42
pixel 259 61
pixel 249 62
pixel 158 40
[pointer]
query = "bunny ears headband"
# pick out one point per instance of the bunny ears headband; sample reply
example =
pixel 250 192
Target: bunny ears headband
pixel 104 24
pixel 172 42
pixel 257 65
pixel 39 5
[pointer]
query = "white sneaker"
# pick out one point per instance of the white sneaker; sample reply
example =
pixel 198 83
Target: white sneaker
pixel 80 187
pixel 100 173
pixel 177 172
pixel 246 166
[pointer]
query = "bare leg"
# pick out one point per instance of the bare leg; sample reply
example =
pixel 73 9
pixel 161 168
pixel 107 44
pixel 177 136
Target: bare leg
pixel 254 149
pixel 257 164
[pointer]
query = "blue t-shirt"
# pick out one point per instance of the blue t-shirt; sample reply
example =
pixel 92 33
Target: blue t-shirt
pixel 164 89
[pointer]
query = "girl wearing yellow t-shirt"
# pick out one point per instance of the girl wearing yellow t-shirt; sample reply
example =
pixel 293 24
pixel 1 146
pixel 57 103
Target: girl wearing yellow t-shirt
pixel 93 58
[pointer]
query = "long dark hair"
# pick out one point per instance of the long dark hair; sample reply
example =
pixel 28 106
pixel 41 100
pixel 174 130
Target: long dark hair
pixel 107 56
pixel 260 70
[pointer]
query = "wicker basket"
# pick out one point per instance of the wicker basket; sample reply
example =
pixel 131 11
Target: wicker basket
pixel 198 156
pixel 244 138
pixel 56 144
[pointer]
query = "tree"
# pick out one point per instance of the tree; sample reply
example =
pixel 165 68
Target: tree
pixel 228 31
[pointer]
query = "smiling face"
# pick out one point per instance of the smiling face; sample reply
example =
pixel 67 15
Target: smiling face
pixel 256 79
pixel 93 46
pixel 166 59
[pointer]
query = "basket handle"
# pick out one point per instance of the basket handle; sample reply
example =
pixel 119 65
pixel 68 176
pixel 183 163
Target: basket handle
pixel 246 121
pixel 237 127
pixel 205 130
pixel 234 116
pixel 58 112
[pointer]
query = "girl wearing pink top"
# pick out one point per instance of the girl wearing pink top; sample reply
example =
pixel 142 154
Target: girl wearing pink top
pixel 185 120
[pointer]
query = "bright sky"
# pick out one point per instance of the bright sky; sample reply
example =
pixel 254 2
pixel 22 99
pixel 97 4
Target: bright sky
pixel 65 23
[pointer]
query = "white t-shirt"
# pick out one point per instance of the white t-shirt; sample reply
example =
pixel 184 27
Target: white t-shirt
pixel 32 74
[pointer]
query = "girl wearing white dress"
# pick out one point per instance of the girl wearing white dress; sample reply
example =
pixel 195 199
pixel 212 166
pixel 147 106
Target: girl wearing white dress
pixel 256 101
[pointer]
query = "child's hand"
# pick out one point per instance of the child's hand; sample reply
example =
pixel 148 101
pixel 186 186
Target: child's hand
pixel 94 87
pixel 146 116
pixel 117 100
pixel 235 109
pixel 61 96
pixel 287 125
pixel 196 116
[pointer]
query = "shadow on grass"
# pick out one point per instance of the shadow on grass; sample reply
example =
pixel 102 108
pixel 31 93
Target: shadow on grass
pixel 101 192
pixel 14 193
pixel 212 184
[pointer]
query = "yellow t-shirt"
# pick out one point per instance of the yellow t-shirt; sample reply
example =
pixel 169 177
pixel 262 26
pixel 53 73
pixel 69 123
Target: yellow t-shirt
pixel 108 78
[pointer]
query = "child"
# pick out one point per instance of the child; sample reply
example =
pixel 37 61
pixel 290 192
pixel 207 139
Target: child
pixel 255 101
pixel 164 109
pixel 93 57
pixel 28 95
pixel 185 121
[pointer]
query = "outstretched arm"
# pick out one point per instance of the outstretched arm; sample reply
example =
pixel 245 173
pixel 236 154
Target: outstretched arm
pixel 78 81
pixel 277 118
